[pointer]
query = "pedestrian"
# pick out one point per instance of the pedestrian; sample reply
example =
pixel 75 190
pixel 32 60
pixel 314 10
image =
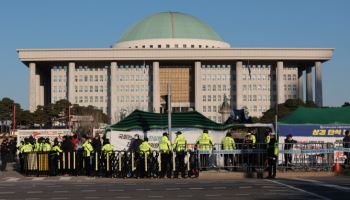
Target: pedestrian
pixel 75 141
pixel 144 151
pixel 107 152
pixel 272 156
pixel 5 151
pixel 288 145
pixel 180 149
pixel 205 144
pixel 25 150
pixel 346 144
pixel 88 149
pixel 54 158
pixel 13 149
pixel 67 148
pixel 228 144
pixel 165 150
pixel 97 145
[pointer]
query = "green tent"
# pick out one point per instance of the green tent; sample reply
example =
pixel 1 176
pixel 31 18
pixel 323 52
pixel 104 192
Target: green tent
pixel 146 121
pixel 318 116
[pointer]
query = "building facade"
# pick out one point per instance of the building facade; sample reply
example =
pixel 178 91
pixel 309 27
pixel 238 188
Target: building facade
pixel 180 50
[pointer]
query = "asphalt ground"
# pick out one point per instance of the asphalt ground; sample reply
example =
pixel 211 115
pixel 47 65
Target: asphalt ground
pixel 66 187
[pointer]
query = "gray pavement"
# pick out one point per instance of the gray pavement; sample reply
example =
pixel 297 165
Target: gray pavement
pixel 210 185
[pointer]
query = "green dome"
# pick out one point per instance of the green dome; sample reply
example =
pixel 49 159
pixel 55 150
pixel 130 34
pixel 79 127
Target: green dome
pixel 170 25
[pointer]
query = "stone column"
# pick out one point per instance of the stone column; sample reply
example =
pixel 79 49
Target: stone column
pixel 318 84
pixel 239 97
pixel 42 94
pixel 156 88
pixel 113 92
pixel 279 83
pixel 198 86
pixel 32 87
pixel 71 82
pixel 300 84
pixel 309 92
pixel 37 89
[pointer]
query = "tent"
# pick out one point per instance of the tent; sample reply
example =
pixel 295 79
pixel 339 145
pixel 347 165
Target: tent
pixel 321 122
pixel 140 120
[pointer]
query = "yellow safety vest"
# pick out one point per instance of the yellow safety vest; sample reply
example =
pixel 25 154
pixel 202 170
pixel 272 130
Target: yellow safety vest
pixel 252 138
pixel 87 148
pixel 164 144
pixel 204 142
pixel 26 148
pixel 145 147
pixel 107 149
pixel 56 149
pixel 228 143
pixel 46 147
pixel 180 143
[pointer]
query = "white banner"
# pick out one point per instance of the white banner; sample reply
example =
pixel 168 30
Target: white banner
pixel 121 140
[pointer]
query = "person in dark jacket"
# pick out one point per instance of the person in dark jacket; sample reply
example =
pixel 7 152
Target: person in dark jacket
pixel 346 144
pixel 288 145
pixel 67 148
pixel 5 151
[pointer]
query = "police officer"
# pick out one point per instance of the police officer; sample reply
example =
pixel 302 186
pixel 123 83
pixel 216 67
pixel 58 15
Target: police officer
pixel 165 149
pixel 88 149
pixel 107 151
pixel 25 149
pixel 45 145
pixel 145 151
pixel 228 143
pixel 38 145
pixel 180 149
pixel 204 143
pixel 54 156
pixel 272 155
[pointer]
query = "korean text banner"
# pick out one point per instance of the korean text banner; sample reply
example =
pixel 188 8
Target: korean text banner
pixel 313 130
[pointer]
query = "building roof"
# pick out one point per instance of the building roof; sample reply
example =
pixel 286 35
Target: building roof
pixel 140 120
pixel 318 116
pixel 170 25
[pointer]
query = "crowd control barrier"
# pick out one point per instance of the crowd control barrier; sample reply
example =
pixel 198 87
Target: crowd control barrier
pixel 129 164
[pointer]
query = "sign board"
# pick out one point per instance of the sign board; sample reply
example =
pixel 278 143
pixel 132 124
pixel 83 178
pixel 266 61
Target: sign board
pixel 45 133
pixel 313 130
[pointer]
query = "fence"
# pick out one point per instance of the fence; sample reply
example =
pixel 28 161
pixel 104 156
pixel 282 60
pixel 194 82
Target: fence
pixel 244 157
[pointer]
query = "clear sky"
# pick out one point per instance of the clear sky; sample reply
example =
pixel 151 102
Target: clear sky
pixel 242 23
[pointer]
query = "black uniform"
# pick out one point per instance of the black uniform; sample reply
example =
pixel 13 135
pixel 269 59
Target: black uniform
pixel 5 151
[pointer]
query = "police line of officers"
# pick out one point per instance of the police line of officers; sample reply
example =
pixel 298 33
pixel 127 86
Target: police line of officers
pixel 204 143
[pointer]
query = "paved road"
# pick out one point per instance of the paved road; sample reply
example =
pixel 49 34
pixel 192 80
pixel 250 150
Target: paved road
pixel 56 188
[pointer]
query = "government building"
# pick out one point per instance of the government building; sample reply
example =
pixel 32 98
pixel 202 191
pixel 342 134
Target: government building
pixel 179 49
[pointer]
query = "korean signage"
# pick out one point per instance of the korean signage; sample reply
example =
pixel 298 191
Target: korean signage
pixel 313 130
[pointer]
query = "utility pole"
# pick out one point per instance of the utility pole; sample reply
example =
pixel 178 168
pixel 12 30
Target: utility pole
pixel 169 112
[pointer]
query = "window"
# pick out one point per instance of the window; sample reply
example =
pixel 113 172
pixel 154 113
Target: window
pixel 91 99
pixel 209 98
pixel 96 77
pixel 101 98
pixel 91 88
pixel 86 89
pixel 86 99
pixel 101 77
pixel 294 77
pixel 209 108
pixel 204 98
pixel 209 87
pixel 214 97
pixel 204 109
pixel 244 97
pixel 284 77
pixel 101 88
pixel 219 88
pixel 214 108
pixel 224 88
pixel 80 88
pixel 96 88
pixel 203 88
pixel 219 98
pixel 167 45
pixel 214 87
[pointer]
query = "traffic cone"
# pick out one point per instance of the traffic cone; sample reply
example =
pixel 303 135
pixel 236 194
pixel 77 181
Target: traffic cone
pixel 337 164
